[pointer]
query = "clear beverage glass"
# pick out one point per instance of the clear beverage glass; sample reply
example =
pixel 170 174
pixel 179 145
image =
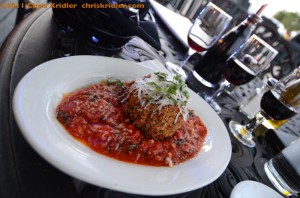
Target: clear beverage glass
pixel 207 28
pixel 283 170
pixel 253 57
pixel 277 106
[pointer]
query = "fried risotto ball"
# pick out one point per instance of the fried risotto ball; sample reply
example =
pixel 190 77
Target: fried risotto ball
pixel 158 124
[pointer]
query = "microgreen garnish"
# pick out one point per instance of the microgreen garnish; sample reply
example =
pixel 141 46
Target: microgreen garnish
pixel 169 88
pixel 162 89
pixel 112 81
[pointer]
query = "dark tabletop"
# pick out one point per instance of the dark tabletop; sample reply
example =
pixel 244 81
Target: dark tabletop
pixel 24 173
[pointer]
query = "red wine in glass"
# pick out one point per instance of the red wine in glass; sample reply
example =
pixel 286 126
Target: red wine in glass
pixel 276 109
pixel 196 44
pixel 237 73
pixel 207 28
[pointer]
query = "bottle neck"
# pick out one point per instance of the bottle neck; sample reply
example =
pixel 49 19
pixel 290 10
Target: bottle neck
pixel 252 20
pixel 249 23
pixel 234 38
pixel 245 27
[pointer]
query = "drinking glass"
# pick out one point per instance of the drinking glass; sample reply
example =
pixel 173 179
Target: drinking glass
pixel 250 105
pixel 209 25
pixel 283 170
pixel 254 56
pixel 277 105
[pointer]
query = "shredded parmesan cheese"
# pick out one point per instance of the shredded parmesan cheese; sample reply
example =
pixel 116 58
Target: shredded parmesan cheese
pixel 162 89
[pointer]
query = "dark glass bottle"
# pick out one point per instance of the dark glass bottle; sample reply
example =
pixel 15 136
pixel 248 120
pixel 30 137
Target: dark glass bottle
pixel 212 64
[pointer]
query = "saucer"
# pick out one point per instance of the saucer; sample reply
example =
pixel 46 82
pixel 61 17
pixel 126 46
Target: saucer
pixel 250 189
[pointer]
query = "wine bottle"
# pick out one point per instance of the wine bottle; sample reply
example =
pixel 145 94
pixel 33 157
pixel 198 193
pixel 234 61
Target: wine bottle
pixel 212 64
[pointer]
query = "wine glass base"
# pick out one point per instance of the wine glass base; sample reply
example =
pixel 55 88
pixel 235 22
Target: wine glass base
pixel 175 69
pixel 239 133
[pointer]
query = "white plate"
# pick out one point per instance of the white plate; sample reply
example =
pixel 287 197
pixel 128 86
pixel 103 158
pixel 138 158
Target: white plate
pixel 41 90
pixel 251 189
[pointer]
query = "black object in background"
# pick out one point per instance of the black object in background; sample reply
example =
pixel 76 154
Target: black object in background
pixel 109 27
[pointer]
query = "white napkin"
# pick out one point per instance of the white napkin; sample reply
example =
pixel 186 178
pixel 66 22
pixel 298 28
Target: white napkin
pixel 177 24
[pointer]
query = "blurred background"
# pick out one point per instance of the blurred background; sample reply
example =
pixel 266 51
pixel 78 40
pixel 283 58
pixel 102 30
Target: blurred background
pixel 280 26
pixel 283 15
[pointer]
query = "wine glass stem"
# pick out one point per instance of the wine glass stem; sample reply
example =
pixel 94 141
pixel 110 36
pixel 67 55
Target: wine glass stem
pixel 187 57
pixel 223 86
pixel 255 122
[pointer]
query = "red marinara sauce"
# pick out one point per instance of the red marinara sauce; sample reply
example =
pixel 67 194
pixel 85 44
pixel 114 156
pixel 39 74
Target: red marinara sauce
pixel 94 116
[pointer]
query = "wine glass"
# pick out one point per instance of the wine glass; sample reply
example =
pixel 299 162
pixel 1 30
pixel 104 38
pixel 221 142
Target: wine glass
pixel 209 25
pixel 254 56
pixel 277 105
